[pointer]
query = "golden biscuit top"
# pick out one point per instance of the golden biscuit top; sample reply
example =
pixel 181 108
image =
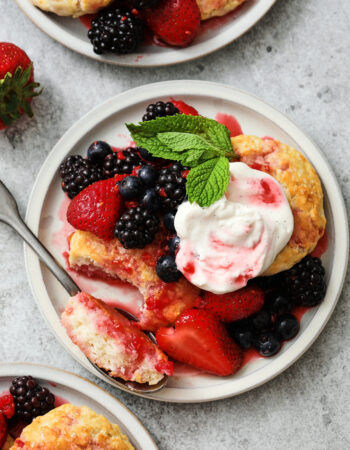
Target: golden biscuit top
pixel 302 187
pixel 70 427
pixel 73 8
pixel 213 8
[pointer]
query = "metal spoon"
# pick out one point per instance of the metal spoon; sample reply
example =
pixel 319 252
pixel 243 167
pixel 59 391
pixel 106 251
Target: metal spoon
pixel 9 214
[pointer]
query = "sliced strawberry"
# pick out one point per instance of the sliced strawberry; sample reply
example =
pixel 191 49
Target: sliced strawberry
pixel 234 305
pixel 3 430
pixel 96 208
pixel 7 405
pixel 184 108
pixel 199 339
pixel 175 22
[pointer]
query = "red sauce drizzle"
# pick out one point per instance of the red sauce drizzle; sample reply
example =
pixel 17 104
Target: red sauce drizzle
pixel 321 246
pixel 230 122
pixel 189 269
pixel 60 401
pixel 87 19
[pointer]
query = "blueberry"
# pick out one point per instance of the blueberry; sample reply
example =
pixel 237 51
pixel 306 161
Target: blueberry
pixel 279 304
pixel 130 188
pixel 98 150
pixel 150 200
pixel 243 334
pixel 146 156
pixel 267 344
pixel 148 175
pixel 168 220
pixel 173 243
pixel 261 320
pixel 167 270
pixel 286 326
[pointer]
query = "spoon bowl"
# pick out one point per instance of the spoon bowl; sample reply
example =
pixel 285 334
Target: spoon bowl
pixel 9 214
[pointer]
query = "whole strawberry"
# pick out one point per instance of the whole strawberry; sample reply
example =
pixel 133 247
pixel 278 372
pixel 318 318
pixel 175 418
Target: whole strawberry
pixel 234 305
pixel 96 209
pixel 17 86
pixel 176 22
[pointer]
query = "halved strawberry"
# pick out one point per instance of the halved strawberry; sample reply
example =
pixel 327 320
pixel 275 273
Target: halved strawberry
pixel 3 429
pixel 201 340
pixel 96 208
pixel 234 305
pixel 184 108
pixel 175 22
pixel 7 405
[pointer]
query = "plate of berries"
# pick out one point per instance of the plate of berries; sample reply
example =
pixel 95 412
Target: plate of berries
pixel 145 33
pixel 208 216
pixel 44 404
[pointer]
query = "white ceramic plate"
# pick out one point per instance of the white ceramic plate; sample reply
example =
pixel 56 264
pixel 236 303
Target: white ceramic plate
pixel 107 122
pixel 215 33
pixel 78 391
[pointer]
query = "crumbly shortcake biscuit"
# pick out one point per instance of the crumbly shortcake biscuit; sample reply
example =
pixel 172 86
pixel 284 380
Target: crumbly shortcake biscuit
pixel 302 187
pixel 112 342
pixel 163 302
pixel 70 427
pixel 213 8
pixel 73 8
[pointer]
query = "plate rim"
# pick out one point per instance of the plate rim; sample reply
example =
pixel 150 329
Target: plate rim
pixel 85 387
pixel 200 88
pixel 41 20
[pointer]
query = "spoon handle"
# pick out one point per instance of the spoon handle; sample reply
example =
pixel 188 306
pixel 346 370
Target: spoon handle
pixel 9 214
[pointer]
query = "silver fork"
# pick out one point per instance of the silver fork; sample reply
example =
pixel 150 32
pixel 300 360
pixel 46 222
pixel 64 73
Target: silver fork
pixel 9 214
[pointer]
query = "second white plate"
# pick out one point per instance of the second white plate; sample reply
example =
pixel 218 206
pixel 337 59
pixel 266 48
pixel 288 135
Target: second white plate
pixel 106 122
pixel 214 34
pixel 78 391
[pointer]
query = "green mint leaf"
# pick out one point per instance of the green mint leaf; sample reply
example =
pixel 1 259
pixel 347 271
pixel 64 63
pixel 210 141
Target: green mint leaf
pixel 180 142
pixel 173 137
pixel 193 158
pixel 208 182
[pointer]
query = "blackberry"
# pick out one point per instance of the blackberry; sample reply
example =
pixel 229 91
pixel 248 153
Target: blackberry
pixel 305 282
pixel 31 399
pixel 159 109
pixel 171 186
pixel 121 162
pixel 116 30
pixel 136 228
pixel 78 173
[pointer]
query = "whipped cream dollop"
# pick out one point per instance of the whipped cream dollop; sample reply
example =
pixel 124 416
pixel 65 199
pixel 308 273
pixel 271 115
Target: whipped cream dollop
pixel 236 238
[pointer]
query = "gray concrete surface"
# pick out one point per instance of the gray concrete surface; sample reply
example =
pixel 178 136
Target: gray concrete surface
pixel 296 58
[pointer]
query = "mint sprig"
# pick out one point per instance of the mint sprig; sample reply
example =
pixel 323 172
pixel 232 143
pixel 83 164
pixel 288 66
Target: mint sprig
pixel 200 143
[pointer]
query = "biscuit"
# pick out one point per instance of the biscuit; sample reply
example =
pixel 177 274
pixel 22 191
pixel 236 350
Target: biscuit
pixel 70 427
pixel 302 187
pixel 73 8
pixel 213 8
pixel 163 302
